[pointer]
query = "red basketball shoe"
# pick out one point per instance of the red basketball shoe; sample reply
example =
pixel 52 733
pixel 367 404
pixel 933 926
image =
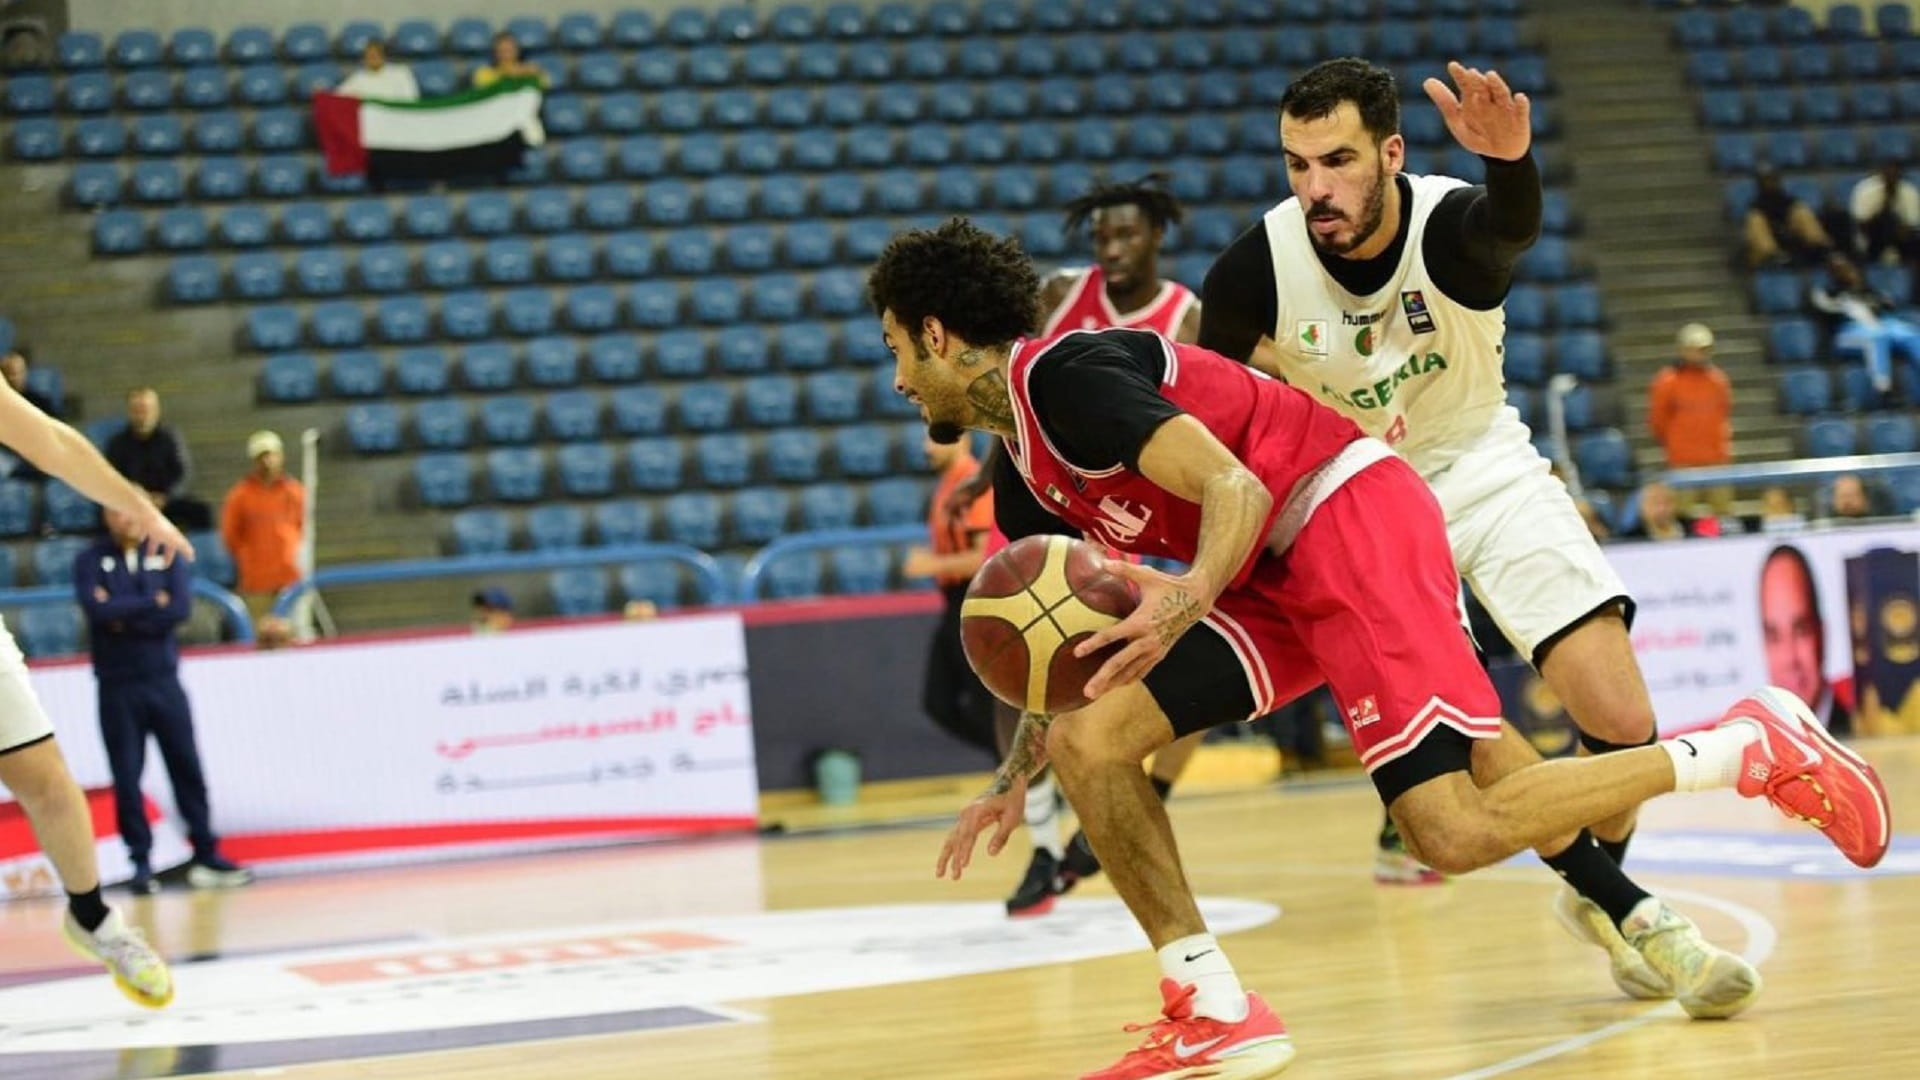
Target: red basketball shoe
pixel 1181 1045
pixel 1807 775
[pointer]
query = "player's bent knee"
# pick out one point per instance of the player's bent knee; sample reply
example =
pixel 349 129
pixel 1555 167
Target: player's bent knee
pixel 1446 825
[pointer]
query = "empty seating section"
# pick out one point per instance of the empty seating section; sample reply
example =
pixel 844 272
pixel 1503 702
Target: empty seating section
pixel 1822 101
pixel 658 328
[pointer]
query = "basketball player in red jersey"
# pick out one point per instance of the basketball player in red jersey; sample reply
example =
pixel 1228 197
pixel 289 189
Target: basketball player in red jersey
pixel 1127 222
pixel 1277 504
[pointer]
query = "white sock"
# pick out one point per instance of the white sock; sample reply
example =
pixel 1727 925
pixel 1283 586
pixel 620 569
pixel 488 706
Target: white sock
pixel 1043 816
pixel 1197 961
pixel 1709 759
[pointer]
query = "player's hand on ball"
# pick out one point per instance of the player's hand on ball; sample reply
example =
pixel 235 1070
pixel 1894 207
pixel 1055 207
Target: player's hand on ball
pixel 1487 118
pixel 1002 811
pixel 1168 606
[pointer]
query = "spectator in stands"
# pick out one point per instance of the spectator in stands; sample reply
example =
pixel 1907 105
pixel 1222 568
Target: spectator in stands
pixel 134 601
pixel 263 523
pixel 1659 516
pixel 152 455
pixel 1863 321
pixel 492 611
pixel 1778 512
pixel 13 367
pixel 1886 210
pixel 1690 409
pixel 1851 498
pixel 952 694
pixel 376 78
pixel 507 64
pixel 1780 228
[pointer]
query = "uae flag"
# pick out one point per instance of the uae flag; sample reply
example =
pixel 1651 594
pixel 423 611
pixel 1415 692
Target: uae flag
pixel 477 132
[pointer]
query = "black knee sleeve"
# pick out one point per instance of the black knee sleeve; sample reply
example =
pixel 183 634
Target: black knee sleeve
pixel 1602 746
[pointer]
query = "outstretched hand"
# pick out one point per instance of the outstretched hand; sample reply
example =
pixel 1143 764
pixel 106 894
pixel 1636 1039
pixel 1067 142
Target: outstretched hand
pixel 1168 606
pixel 1002 810
pixel 163 538
pixel 1487 117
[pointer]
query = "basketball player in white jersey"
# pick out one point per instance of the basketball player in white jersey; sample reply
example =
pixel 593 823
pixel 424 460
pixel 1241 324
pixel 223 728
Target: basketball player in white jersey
pixel 1380 294
pixel 1127 222
pixel 31 766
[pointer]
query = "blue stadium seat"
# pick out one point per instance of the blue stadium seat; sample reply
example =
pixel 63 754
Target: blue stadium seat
pixel 466 316
pixel 508 260
pixel 1805 391
pixel 706 407
pixel 100 137
pixel 760 515
pixel 471 37
pixel 827 506
pixel 568 258
pixel 652 304
pixel 1891 435
pixel 420 371
pixel 863 451
pixel 67 510
pixel 304 223
pixel 258 276
pixel 119 232
pixel 580 590
pixel 657 69
pixel 1603 459
pixel 776 298
pixel 87 92
pixel 290 377
pixel 1893 20
pixel 622 523
pixel 804 347
pixel 487 213
pixel 1582 353
pixel 592 308
pixel 218 178
pixel 897 501
pixel 638 410
pixel 556 528
pixel 487 366
pixel 527 311
pixel 158 136
pixel 833 397
pixel 1792 341
pixel 1578 307
pixel 861 569
pixel 339 324
pixel 1527 309
pixel 161 181
pixel 680 354
pixel 1721 109
pixel 482 532
pixel 193 279
pixel 553 361
pixel 1710 67
pixel 1846 21
pixel 723 460
pixel 655 464
pixel 147 90
pixel 1776 292
pixel 78 51
pixel 217 133
pixel 51 631
pixel 94 184
pixel 793 455
pixel 692 518
pixel 240 227
pixel 261 86
pixel 808 244
pixel 794 575
pixel 443 424
pixel 16 511
pixel 373 428
pixel 29 94
pixel 547 210
pixel 573 416
pixel 564 115
pixel 1526 359
pixel 1830 437
pixel 36 139
pixel 771 401
pixel 273 327
pixel 383 268
pixel 614 358
pixel 516 474
pixel 403 320
pixel 860 345
pixel 742 350
pixel 865 239
pixel 446 265
pixel 716 301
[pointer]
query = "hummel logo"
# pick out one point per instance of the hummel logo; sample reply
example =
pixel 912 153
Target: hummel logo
pixel 1181 1049
pixel 1201 953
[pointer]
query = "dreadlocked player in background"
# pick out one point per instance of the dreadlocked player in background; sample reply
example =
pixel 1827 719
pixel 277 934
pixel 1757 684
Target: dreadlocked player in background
pixel 1123 287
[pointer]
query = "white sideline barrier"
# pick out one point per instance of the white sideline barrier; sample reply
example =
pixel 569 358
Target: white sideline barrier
pixel 400 750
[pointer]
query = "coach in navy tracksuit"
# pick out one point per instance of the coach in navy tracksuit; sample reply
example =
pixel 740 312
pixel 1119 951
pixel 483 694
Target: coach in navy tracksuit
pixel 134 601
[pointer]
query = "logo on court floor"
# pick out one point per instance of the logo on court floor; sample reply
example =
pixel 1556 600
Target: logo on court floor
pixel 268 1010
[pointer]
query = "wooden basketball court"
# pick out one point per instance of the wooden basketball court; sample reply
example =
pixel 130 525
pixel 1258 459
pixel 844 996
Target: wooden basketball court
pixel 597 964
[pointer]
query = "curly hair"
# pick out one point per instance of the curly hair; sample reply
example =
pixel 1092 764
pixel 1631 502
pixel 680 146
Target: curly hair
pixel 1149 193
pixel 981 286
pixel 1316 94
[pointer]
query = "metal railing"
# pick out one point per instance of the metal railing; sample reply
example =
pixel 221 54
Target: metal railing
pixel 234 612
pixel 708 577
pixel 812 541
pixel 1799 470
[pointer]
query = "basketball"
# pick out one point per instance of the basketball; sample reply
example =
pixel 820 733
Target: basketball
pixel 1026 610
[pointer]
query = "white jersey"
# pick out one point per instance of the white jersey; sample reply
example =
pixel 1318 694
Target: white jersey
pixel 1408 364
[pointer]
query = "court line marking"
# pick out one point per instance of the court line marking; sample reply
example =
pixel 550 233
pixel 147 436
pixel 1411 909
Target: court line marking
pixel 1762 937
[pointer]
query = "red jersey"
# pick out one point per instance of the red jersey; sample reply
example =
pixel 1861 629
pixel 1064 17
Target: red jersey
pixel 1281 434
pixel 1087 308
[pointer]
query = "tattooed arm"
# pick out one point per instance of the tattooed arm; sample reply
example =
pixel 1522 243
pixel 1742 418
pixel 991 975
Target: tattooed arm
pixel 1186 459
pixel 1000 806
pixel 1026 755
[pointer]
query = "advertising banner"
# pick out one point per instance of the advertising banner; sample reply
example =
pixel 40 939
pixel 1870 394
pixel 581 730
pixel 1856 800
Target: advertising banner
pixel 535 737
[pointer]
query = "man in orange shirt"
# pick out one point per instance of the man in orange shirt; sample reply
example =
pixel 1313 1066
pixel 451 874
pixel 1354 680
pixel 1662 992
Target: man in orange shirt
pixel 1690 408
pixel 263 523
pixel 953 694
